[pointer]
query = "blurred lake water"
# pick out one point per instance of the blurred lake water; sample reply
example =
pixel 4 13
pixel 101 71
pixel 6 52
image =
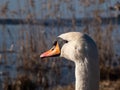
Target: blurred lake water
pixel 24 42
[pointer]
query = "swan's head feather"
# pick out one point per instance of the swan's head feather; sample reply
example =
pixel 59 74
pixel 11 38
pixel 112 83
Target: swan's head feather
pixel 73 46
pixel 71 50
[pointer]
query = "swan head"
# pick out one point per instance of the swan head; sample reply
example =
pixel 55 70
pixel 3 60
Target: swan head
pixel 82 50
pixel 71 45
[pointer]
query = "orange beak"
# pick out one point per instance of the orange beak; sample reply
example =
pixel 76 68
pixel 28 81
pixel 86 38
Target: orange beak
pixel 55 50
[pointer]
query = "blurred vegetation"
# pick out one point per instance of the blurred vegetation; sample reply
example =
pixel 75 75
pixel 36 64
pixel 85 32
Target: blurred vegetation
pixel 33 73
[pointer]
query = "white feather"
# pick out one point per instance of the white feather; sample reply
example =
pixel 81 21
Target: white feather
pixel 82 50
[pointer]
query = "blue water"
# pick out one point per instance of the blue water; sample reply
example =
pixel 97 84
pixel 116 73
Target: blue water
pixel 12 35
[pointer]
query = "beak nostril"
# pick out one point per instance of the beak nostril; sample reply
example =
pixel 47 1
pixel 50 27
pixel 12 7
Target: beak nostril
pixel 54 51
pixel 53 48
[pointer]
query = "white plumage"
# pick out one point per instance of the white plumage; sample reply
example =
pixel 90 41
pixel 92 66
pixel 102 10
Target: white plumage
pixel 82 50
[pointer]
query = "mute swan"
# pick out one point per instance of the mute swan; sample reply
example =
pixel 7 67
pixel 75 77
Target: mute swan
pixel 82 50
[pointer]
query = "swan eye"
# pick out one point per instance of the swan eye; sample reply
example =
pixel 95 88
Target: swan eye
pixel 60 41
pixel 66 41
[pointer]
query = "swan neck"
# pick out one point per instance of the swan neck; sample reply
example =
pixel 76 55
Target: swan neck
pixel 81 75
